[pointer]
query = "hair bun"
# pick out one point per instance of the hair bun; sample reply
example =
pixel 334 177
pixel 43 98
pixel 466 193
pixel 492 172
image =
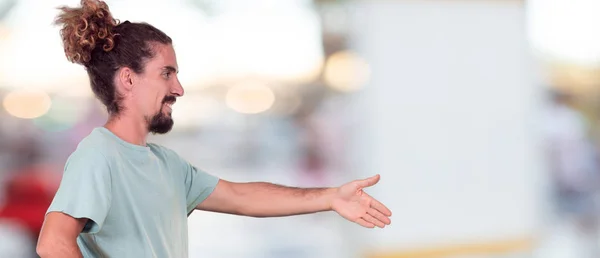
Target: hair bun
pixel 84 28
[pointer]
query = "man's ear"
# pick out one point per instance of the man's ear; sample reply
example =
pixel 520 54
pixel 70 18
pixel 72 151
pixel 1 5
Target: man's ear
pixel 126 78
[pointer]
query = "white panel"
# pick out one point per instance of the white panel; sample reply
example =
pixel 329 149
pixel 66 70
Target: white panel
pixel 450 113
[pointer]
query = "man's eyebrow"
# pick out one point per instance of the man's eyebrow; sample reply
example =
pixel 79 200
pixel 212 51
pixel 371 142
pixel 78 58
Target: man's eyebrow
pixel 169 68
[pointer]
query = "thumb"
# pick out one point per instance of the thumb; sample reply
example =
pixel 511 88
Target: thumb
pixel 369 181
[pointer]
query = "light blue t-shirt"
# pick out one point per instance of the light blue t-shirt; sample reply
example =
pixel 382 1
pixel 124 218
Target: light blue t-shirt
pixel 137 198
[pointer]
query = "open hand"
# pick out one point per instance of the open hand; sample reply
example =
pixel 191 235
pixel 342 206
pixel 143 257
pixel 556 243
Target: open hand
pixel 352 203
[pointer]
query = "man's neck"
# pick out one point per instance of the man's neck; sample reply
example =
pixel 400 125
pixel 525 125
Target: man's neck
pixel 129 130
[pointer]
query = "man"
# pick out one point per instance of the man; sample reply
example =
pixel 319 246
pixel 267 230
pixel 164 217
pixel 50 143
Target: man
pixel 121 196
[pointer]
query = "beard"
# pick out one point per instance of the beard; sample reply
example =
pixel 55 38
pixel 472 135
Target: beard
pixel 161 123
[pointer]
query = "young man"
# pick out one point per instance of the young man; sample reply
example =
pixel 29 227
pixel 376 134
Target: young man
pixel 121 196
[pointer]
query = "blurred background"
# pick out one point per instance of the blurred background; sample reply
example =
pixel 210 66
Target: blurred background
pixel 482 116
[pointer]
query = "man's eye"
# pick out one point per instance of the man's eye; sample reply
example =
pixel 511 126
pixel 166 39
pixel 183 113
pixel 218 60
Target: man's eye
pixel 167 75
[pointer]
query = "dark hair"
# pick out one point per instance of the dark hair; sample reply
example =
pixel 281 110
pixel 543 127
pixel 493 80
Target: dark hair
pixel 93 38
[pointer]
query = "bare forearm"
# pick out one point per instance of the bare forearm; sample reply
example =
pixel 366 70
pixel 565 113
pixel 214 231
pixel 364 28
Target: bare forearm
pixel 270 200
pixel 62 250
pixel 58 237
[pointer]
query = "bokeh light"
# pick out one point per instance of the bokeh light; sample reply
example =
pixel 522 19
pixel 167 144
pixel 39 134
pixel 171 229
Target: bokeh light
pixel 565 30
pixel 250 97
pixel 27 104
pixel 346 71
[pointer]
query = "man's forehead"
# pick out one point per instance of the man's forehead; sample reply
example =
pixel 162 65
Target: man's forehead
pixel 164 58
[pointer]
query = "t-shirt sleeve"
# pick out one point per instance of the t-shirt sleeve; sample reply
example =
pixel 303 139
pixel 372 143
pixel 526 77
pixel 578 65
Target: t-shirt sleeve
pixel 198 184
pixel 85 189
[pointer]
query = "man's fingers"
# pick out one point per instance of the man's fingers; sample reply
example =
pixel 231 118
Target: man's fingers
pixel 380 207
pixel 373 221
pixel 369 181
pixel 364 223
pixel 379 216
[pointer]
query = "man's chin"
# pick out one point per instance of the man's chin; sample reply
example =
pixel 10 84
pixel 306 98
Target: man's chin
pixel 161 127
pixel 162 130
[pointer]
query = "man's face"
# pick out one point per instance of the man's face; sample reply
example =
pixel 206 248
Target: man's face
pixel 158 89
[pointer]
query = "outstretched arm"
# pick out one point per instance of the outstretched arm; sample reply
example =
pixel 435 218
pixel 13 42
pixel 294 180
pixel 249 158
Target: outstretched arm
pixel 270 200
pixel 261 199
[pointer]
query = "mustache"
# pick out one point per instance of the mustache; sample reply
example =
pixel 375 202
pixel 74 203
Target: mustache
pixel 169 99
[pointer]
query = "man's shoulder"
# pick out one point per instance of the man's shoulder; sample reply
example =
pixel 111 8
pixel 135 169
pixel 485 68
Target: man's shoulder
pixel 94 142
pixel 93 147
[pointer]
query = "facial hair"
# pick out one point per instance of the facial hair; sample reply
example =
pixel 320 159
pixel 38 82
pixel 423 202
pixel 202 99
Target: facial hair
pixel 162 123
